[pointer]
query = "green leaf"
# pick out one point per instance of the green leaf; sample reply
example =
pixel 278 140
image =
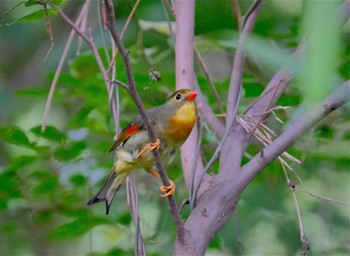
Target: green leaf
pixel 9 188
pixel 78 180
pixel 58 2
pixel 70 152
pixel 37 15
pixel 75 213
pixel 50 133
pixel 35 91
pixel 20 161
pixel 45 182
pixel 69 198
pixel 124 218
pixel 14 135
pixel 43 217
pixel 76 228
pixel 29 3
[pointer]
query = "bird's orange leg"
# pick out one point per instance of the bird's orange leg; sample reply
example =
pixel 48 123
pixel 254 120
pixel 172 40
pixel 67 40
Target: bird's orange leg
pixel 169 190
pixel 153 173
pixel 149 147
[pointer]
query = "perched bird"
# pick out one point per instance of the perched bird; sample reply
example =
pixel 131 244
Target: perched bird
pixel 172 123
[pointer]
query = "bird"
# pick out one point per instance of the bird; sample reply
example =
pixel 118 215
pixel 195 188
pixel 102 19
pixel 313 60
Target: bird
pixel 172 123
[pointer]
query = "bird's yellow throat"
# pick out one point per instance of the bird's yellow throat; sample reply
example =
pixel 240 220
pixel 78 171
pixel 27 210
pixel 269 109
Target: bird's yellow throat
pixel 182 122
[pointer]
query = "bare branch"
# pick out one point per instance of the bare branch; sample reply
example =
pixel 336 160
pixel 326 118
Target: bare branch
pixel 235 88
pixel 220 200
pixel 122 35
pixel 88 40
pixel 132 90
pixel 303 238
pixel 325 198
pixel 133 204
pixel 60 66
pixel 211 83
pixel 296 130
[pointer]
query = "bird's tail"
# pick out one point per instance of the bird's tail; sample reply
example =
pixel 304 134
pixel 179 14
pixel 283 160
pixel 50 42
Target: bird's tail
pixel 108 190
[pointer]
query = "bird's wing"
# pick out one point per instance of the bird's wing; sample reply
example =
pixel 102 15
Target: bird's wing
pixel 135 126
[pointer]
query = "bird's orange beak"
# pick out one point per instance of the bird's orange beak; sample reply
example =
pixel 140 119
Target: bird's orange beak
pixel 192 95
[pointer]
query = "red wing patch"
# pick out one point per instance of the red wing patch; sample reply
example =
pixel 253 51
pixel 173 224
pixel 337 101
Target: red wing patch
pixel 124 135
pixel 133 129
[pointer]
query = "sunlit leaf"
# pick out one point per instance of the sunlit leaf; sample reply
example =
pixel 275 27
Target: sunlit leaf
pixel 75 228
pixel 36 15
pixel 35 92
pixel 50 133
pixel 78 180
pixel 45 182
pixel 70 151
pixel 29 3
pixel 14 135
pixel 20 161
pixel 9 187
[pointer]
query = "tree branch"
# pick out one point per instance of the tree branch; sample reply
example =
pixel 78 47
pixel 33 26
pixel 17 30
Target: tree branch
pixel 216 205
pixel 295 131
pixel 110 23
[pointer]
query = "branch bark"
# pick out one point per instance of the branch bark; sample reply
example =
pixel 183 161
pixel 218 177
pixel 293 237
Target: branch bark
pixel 110 24
pixel 215 206
pixel 185 78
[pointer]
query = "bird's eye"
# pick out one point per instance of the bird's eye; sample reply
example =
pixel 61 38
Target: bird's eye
pixel 178 96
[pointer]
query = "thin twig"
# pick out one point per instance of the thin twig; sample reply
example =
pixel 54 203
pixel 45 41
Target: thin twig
pixel 122 34
pixel 133 93
pixel 238 232
pixel 100 28
pixel 171 32
pixel 114 102
pixel 237 12
pixel 211 83
pixel 48 30
pixel 238 65
pixel 3 23
pixel 133 204
pixel 325 198
pixel 303 238
pixel 88 40
pixel 182 205
pixel 60 66
pixel 194 164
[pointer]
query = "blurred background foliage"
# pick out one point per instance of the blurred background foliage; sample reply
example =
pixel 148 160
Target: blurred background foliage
pixel 47 178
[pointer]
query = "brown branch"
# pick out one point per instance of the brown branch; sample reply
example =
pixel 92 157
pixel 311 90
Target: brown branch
pixel 133 93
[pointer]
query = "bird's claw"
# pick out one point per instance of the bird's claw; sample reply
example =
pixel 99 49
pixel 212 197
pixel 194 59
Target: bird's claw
pixel 169 190
pixel 149 147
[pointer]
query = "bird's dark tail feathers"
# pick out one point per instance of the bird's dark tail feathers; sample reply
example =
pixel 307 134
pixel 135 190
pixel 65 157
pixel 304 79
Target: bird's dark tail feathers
pixel 108 190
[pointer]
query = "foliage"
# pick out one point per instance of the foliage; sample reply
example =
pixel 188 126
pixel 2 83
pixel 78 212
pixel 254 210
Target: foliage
pixel 47 177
